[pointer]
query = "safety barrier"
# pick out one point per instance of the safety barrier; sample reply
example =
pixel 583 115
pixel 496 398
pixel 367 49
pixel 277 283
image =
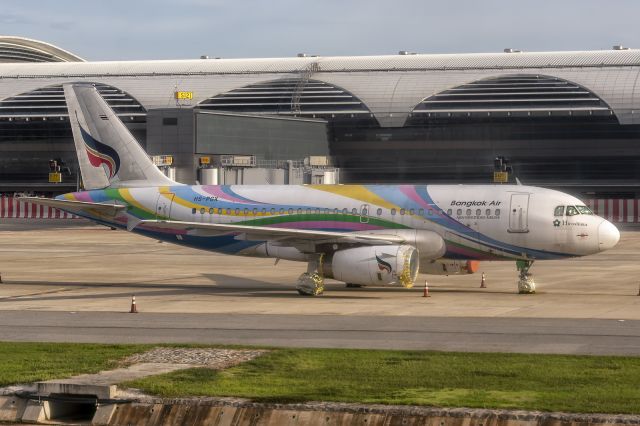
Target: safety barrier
pixel 11 207
pixel 616 210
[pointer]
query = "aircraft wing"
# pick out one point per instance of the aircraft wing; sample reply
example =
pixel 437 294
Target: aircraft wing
pixel 283 235
pixel 77 207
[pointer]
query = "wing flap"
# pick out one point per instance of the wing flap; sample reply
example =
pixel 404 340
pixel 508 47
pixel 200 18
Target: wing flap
pixel 283 235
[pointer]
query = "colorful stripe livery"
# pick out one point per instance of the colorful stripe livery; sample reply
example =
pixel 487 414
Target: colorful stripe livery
pixel 336 208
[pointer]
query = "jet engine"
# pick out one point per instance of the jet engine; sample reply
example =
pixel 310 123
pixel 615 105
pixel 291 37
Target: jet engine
pixel 449 267
pixel 373 265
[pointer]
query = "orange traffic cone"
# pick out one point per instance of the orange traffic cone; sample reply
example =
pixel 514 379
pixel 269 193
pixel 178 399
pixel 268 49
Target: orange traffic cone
pixel 134 308
pixel 483 283
pixel 426 290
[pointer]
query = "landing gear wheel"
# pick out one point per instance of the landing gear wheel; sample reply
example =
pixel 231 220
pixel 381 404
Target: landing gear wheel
pixel 526 284
pixel 310 284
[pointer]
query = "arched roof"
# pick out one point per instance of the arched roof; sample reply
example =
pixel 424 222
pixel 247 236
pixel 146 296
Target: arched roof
pixel 20 49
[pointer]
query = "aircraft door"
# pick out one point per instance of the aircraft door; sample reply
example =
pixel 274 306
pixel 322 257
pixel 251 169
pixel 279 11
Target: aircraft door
pixel 518 213
pixel 163 205
pixel 364 213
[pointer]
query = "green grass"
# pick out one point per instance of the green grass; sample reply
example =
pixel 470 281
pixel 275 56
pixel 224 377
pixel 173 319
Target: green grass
pixel 30 362
pixel 534 382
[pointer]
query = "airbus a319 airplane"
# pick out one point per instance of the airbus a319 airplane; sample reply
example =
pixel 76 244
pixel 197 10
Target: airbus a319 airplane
pixel 358 234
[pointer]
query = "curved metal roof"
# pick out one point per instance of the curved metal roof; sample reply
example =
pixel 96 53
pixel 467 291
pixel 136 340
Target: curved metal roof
pixel 389 87
pixel 20 49
pixel 469 61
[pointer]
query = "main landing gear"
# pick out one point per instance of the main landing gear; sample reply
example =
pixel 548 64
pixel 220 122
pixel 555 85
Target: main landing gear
pixel 526 285
pixel 311 283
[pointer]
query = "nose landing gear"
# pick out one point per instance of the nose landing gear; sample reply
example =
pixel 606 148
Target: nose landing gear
pixel 526 284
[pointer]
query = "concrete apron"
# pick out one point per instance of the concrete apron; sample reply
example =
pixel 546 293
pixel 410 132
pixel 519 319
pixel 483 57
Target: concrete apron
pixel 221 412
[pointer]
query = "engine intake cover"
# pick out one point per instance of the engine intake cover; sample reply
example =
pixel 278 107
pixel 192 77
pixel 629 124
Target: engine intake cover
pixel 374 265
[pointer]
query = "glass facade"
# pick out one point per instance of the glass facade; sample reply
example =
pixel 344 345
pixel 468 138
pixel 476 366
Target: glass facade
pixel 555 133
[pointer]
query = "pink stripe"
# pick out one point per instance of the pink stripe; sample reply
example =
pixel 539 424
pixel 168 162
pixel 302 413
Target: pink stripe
pixel 410 191
pixel 216 191
pixel 82 196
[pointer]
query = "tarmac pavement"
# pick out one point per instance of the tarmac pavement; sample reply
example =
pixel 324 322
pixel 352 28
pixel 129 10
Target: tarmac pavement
pixel 68 281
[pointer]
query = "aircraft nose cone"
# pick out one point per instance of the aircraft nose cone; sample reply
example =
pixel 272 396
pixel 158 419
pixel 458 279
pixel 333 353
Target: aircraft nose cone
pixel 608 235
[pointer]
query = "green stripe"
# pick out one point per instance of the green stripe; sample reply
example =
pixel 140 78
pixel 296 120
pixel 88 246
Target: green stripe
pixel 320 217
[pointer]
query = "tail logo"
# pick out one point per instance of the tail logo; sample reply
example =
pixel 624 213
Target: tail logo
pixel 383 266
pixel 100 153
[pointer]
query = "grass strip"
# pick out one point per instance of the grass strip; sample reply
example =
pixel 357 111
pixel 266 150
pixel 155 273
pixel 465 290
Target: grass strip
pixel 31 362
pixel 586 384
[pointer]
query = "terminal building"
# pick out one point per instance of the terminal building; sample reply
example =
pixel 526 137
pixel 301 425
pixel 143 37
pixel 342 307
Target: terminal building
pixel 567 120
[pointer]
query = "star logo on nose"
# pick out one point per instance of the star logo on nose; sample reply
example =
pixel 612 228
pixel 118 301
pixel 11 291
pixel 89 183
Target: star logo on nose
pixel 556 223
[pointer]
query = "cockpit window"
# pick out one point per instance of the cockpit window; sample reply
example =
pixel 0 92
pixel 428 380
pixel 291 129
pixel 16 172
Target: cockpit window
pixel 584 210
pixel 559 211
pixel 572 211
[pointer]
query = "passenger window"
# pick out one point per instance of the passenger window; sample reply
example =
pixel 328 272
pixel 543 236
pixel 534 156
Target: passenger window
pixel 449 212
pixel 335 211
pixel 299 211
pixel 202 210
pixel 290 211
pixel 228 211
pixel 365 212
pixel 478 212
pixel 211 210
pixel 354 211
pixel 497 212
pixel 281 211
pixel 412 211
pixel 246 211
pixel 255 212
pixel 571 211
pixel 559 211
pixel 468 212
pixel 264 211
pixel 430 212
pixel 459 212
pixel 379 211
pixel 402 211
pixel 193 210
pixel 421 212
pixel 345 211
pixel 393 212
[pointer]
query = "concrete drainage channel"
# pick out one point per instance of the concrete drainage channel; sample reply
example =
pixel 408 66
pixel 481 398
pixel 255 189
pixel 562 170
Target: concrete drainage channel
pixel 218 412
pixel 94 399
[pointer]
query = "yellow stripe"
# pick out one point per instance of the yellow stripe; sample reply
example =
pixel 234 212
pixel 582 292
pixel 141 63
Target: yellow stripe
pixel 357 192
pixel 179 200
pixel 126 194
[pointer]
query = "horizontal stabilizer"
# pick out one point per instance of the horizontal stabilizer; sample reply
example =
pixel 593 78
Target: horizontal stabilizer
pixel 264 233
pixel 77 207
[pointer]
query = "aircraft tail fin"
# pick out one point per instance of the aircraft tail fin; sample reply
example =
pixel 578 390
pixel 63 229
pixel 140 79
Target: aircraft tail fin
pixel 108 154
